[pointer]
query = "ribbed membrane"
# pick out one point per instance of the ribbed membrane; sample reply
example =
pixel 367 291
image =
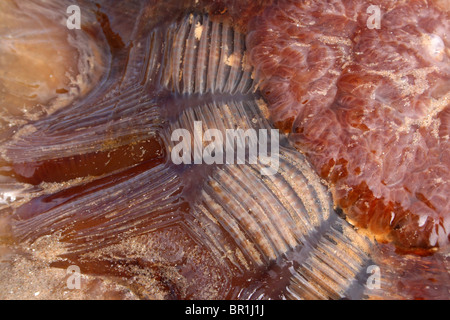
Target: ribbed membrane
pixel 335 268
pixel 68 134
pixel 106 209
pixel 264 216
pixel 200 55
pixel 252 220
pixel 227 118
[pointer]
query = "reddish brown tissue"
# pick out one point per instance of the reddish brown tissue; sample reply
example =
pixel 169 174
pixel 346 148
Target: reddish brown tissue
pixel 369 106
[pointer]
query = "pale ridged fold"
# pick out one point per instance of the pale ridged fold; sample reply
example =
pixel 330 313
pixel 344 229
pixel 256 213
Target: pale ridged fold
pixel 235 61
pixel 112 208
pixel 202 59
pixel 66 135
pixel 214 55
pixel 243 114
pixel 189 61
pixel 332 268
pixel 253 213
pixel 145 59
pixel 202 56
pixel 99 215
pixel 251 220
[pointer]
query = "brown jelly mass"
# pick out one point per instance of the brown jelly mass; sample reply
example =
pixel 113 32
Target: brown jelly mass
pixel 91 185
pixel 94 164
pixel 370 107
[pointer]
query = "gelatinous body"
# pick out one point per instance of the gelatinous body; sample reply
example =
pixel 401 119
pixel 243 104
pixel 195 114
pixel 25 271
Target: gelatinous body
pixel 95 184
